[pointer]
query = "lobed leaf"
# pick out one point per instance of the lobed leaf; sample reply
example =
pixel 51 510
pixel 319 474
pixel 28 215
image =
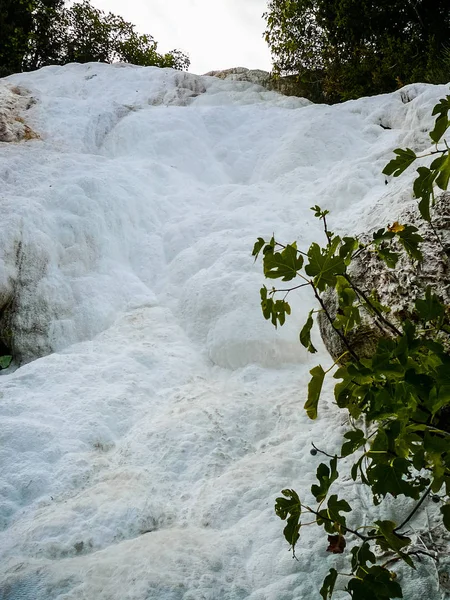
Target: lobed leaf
pixel 326 476
pixel 442 123
pixel 356 439
pixel 326 591
pixel 323 266
pixel 259 244
pixel 290 508
pixel 314 390
pixel 283 265
pixel 410 241
pixel 399 164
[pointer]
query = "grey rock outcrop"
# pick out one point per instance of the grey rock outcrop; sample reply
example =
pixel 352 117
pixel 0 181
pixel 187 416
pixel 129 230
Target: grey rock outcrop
pixel 396 288
pixel 288 86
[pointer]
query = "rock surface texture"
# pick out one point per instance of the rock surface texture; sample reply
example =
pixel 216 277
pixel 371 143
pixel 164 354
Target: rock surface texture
pixel 396 288
pixel 13 101
pixel 288 86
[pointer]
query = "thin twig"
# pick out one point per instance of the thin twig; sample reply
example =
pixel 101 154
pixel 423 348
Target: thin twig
pixel 284 247
pixel 325 453
pixel 415 509
pixel 340 334
pixel 374 308
pixel 344 527
pixel 327 233
pixel 437 236
pixel 413 553
pixel 291 289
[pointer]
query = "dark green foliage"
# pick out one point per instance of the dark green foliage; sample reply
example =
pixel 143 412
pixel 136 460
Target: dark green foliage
pixel 355 439
pixel 376 584
pixel 5 361
pixel 275 310
pixel 401 163
pixel 326 591
pixel 45 43
pixel 290 509
pixel 314 390
pixel 16 23
pixel 36 33
pixel 352 48
pixel 324 265
pixel 401 392
pixel 442 122
pixel 305 334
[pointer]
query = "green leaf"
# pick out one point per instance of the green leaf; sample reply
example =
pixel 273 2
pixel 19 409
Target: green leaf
pixel 392 540
pixel 361 555
pixel 5 361
pixel 442 122
pixel 397 165
pixel 445 510
pixel 335 507
pixel 390 478
pixel 326 591
pixel 376 584
pixel 431 308
pixel 356 440
pixel 323 266
pixel 314 390
pixel 389 257
pixel 423 188
pixel 347 248
pixel 375 302
pixel 382 235
pixel 441 167
pixel 290 508
pixel 305 334
pixel 326 476
pixel 257 247
pixel 410 241
pixel 347 316
pixel 318 212
pixel 275 310
pixel 283 265
pixel 440 127
pixel 444 173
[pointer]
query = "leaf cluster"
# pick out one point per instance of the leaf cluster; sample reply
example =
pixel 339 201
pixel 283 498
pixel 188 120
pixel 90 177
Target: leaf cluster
pixel 401 392
pixel 438 173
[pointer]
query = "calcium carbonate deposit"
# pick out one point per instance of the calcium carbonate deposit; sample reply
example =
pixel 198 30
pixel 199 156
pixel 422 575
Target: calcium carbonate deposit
pixel 156 415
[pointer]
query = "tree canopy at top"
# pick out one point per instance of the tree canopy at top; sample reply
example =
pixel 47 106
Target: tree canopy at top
pixel 360 47
pixel 37 33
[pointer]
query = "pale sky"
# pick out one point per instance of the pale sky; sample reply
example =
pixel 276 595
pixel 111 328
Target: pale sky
pixel 217 34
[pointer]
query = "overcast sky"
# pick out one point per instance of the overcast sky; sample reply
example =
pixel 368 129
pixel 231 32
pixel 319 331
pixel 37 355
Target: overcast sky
pixel 217 34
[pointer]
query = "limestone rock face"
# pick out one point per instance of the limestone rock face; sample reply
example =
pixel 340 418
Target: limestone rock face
pixel 256 76
pixel 287 86
pixel 396 288
pixel 14 100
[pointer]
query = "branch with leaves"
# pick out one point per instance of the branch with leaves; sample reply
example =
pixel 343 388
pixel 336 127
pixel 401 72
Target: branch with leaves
pixel 400 392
